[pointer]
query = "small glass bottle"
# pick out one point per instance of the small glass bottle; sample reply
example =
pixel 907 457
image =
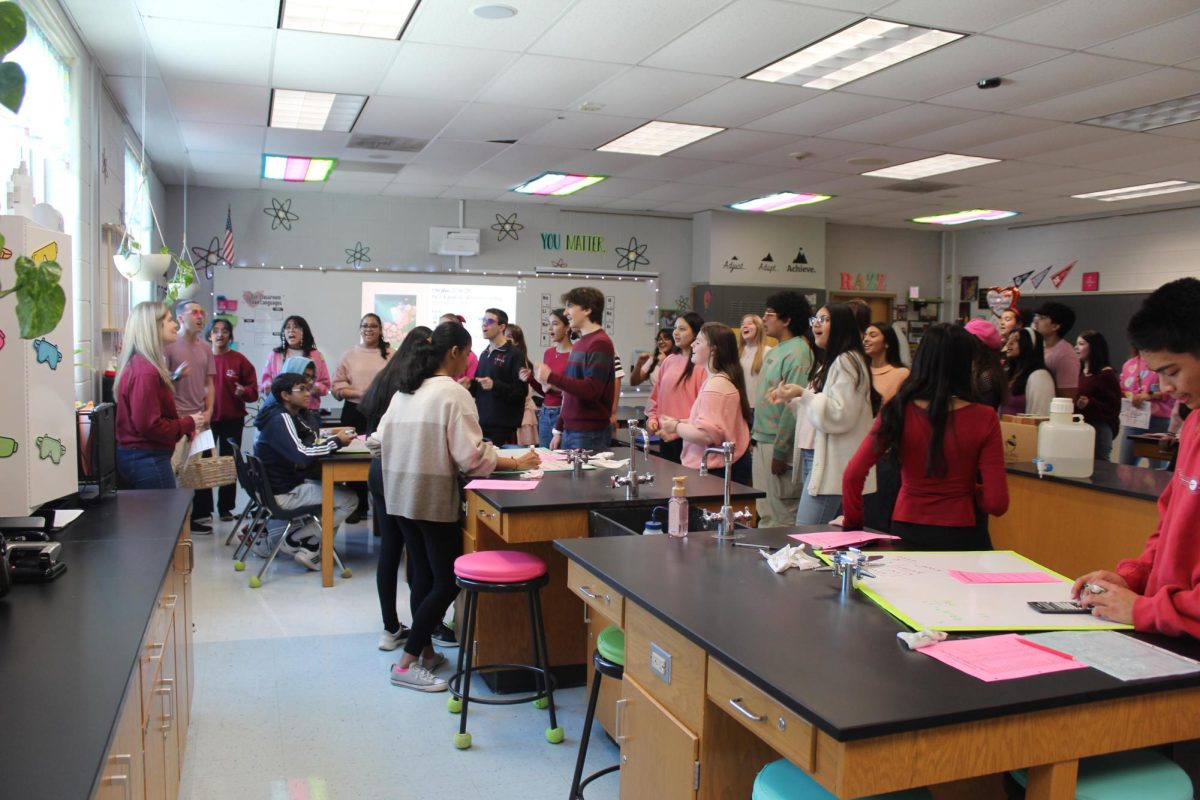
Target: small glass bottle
pixel 677 509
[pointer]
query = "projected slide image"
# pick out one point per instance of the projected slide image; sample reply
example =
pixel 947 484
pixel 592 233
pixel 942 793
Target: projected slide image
pixel 399 314
pixel 403 306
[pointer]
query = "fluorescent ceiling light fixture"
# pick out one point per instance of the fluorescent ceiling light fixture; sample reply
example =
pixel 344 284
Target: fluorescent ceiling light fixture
pixel 558 184
pixel 1145 190
pixel 297 169
pixel 959 217
pixel 852 53
pixel 315 111
pixel 1158 115
pixel 656 138
pixel 378 19
pixel 935 165
pixel 779 201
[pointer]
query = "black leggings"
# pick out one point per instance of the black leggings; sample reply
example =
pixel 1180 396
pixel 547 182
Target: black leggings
pixel 671 451
pixel 391 548
pixel 943 537
pixel 432 548
pixel 223 430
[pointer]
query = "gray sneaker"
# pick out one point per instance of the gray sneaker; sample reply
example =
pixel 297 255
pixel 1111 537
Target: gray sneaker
pixel 390 641
pixel 309 559
pixel 433 662
pixel 418 678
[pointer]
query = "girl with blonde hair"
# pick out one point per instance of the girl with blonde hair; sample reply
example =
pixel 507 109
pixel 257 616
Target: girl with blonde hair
pixel 752 348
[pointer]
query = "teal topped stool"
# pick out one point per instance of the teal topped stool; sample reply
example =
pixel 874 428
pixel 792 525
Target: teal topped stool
pixel 609 661
pixel 1141 774
pixel 783 780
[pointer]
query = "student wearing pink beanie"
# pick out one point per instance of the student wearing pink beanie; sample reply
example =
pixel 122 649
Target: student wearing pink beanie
pixel 987 373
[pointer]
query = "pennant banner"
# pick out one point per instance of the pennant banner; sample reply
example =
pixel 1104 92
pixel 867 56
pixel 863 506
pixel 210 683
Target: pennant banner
pixel 1036 280
pixel 1060 276
pixel 1019 279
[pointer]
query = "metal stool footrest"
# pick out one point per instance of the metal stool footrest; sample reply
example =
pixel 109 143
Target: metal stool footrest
pixel 454 682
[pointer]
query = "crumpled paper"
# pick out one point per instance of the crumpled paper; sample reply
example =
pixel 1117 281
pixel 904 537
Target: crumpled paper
pixel 791 555
pixel 608 463
pixel 531 474
pixel 919 639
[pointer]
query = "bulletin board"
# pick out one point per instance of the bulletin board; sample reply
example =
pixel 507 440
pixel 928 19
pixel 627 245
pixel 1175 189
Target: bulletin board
pixel 917 589
pixel 259 299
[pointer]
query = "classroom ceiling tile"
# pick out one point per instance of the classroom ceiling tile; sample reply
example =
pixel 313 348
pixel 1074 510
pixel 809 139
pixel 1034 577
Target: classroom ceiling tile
pixel 431 174
pixel 1043 141
pixel 644 28
pixel 738 102
pixel 1168 44
pixel 1047 177
pixel 732 145
pixel 230 13
pixel 396 189
pixel 441 72
pixel 989 128
pixel 1184 130
pixel 671 192
pixel 323 62
pixel 226 103
pixel 223 138
pixel 226 163
pixel 825 113
pixel 593 162
pixel 1097 153
pixel 958 16
pixel 453 24
pixel 794 180
pixel 460 155
pixel 547 82
pixel 1078 24
pixel 803 152
pixel 747 35
pixel 222 180
pixel 1140 90
pixel 483 122
pixel 871 158
pixel 460 192
pixel 581 130
pixel 288 141
pixel 731 174
pixel 903 122
pixel 245 52
pixel 414 118
pixel 645 92
pixel 668 168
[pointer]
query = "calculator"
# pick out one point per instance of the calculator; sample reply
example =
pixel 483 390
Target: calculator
pixel 1058 607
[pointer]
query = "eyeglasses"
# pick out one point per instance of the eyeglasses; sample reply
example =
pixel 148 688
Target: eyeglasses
pixel 489 321
pixel 369 325
pixel 302 387
pixel 820 320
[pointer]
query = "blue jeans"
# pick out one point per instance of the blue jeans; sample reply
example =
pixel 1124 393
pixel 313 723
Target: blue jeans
pixel 1157 425
pixel 1104 439
pixel 145 469
pixel 815 509
pixel 547 416
pixel 596 441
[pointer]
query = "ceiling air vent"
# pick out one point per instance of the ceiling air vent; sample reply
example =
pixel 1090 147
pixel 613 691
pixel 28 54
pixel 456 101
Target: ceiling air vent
pixel 919 187
pixel 398 144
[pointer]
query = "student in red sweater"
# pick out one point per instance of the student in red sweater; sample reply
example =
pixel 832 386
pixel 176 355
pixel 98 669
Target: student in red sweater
pixel 236 385
pixel 1099 397
pixel 943 442
pixel 148 425
pixel 1159 591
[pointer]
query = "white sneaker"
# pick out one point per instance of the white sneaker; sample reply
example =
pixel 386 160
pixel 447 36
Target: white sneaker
pixel 309 559
pixel 261 546
pixel 418 678
pixel 390 641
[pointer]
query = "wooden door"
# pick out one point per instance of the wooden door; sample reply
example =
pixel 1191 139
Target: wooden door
pixel 881 305
pixel 658 754
pixel 124 776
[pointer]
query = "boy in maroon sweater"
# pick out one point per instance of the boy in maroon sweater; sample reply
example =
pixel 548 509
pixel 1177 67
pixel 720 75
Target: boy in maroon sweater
pixel 588 385
pixel 1159 591
pixel 236 384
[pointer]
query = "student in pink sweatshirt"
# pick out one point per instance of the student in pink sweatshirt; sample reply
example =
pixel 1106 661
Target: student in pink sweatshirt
pixel 679 382
pixel 721 412
pixel 1159 591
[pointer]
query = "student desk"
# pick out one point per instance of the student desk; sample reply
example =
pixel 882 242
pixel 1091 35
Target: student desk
pixel 558 509
pixel 97 665
pixel 763 665
pixel 1074 525
pixel 336 468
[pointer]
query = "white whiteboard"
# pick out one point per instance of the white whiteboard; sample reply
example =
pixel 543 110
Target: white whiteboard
pixel 332 303
pixel 917 589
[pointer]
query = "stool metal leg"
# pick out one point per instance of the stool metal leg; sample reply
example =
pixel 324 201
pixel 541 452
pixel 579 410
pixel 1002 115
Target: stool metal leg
pixel 593 698
pixel 463 739
pixel 555 734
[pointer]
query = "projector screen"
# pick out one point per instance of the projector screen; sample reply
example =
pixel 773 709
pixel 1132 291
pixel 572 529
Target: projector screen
pixel 403 306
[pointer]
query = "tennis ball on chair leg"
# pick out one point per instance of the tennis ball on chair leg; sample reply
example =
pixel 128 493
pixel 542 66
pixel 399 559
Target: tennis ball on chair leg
pixel 462 741
pixel 541 703
pixel 554 735
pixel 255 582
pixel 239 566
pixel 454 705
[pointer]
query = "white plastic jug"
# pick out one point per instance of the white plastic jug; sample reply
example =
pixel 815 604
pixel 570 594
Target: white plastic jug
pixel 1066 444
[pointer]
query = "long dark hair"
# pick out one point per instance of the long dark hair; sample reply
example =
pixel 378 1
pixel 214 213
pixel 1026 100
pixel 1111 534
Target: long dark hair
pixel 891 343
pixel 379 394
pixel 517 336
pixel 941 371
pixel 1098 357
pixel 307 342
pixel 383 345
pixel 695 322
pixel 845 337
pixel 428 354
pixel 1031 358
pixel 724 359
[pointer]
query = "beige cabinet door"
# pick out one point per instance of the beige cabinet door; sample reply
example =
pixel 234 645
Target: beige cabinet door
pixel 124 776
pixel 658 754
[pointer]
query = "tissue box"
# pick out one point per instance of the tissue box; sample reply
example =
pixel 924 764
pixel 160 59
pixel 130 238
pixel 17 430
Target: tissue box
pixel 1019 433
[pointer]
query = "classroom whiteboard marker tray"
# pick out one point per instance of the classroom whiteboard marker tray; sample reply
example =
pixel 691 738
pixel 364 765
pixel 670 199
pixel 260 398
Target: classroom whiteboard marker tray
pixel 918 589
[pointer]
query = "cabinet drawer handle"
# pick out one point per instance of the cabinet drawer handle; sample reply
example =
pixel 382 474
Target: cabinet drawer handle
pixel 191 561
pixel 736 702
pixel 124 782
pixel 169 691
pixel 587 592
pixel 159 646
pixel 622 704
pixel 487 514
pixel 169 601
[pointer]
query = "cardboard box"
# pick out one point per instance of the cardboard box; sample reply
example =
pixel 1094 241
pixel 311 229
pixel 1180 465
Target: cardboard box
pixel 1019 433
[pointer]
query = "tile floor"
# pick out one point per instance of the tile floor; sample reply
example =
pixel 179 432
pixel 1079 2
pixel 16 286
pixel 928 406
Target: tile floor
pixel 292 700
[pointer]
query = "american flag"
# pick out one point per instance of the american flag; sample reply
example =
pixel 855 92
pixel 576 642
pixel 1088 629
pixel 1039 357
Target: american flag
pixel 227 245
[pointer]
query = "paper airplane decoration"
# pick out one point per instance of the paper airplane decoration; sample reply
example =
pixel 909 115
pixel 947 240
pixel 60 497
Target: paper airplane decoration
pixel 1060 276
pixel 1019 279
pixel 1036 280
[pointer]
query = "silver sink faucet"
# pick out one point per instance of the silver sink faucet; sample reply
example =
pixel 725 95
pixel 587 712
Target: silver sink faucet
pixel 578 459
pixel 632 480
pixel 726 517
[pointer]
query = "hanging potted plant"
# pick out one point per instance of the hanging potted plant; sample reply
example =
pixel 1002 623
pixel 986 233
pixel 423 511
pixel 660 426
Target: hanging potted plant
pixel 137 266
pixel 184 284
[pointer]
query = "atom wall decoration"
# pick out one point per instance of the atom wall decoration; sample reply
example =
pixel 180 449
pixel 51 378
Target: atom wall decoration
pixel 632 256
pixel 281 214
pixel 357 255
pixel 507 227
pixel 207 257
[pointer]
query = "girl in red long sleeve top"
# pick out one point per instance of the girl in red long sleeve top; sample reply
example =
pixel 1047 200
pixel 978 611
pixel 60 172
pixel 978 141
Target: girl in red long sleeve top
pixel 948 448
pixel 1159 591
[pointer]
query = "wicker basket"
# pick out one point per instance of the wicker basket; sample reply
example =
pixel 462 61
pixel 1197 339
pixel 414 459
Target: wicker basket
pixel 208 473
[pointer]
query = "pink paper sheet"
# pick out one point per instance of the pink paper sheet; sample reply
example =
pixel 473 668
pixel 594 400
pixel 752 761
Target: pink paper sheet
pixel 831 539
pixel 1000 658
pixel 1001 577
pixel 515 486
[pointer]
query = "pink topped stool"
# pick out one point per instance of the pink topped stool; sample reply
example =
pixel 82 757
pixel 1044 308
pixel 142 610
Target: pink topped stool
pixel 501 572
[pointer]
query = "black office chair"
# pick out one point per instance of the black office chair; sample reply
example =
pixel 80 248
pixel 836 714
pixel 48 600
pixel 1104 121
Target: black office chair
pixel 295 518
pixel 253 508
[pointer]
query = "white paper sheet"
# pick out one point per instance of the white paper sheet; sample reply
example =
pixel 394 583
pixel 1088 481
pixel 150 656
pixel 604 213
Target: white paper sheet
pixel 203 441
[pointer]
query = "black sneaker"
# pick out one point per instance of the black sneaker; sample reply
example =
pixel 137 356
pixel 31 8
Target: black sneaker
pixel 199 527
pixel 226 516
pixel 444 636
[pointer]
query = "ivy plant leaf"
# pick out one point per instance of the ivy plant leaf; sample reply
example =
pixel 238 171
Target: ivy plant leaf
pixel 12 86
pixel 12 27
pixel 40 298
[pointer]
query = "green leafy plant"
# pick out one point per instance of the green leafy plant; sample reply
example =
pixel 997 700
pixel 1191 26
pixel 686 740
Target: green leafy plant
pixel 185 276
pixel 12 77
pixel 40 296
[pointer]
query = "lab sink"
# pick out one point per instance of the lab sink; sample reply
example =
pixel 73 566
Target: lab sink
pixel 629 521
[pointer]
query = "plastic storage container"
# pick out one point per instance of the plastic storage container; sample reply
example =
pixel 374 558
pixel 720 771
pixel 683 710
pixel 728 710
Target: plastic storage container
pixel 1066 443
